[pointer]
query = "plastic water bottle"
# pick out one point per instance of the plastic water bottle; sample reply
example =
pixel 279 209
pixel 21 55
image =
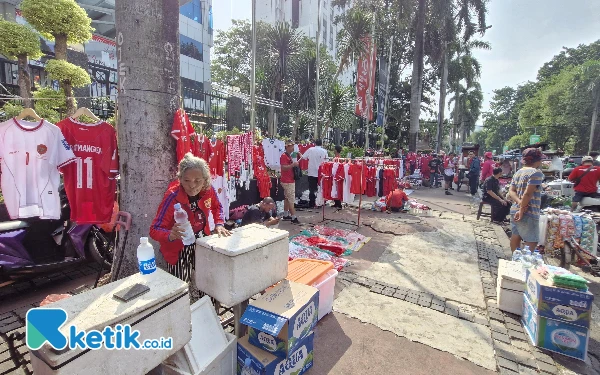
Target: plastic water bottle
pixel 145 256
pixel 181 217
pixel 538 260
pixel 527 259
pixel 517 255
pixel 247 369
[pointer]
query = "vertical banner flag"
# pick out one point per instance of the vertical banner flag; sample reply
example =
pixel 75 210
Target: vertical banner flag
pixel 364 90
pixel 382 90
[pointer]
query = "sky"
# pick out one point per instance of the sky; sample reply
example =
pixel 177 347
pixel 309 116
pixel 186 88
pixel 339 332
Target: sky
pixel 524 35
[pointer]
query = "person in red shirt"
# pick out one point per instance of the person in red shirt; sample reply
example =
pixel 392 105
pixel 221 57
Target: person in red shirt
pixel 288 182
pixel 395 200
pixel 585 179
pixel 198 198
pixel 488 167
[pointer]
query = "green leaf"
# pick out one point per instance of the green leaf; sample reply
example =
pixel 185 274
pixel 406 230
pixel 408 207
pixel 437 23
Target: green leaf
pixel 58 17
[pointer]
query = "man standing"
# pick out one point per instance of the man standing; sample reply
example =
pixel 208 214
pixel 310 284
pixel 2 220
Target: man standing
pixel 474 171
pixel 316 156
pixel 526 193
pixel 262 213
pixel 289 183
pixel 434 169
pixel 449 166
pixel 594 155
pixel 585 180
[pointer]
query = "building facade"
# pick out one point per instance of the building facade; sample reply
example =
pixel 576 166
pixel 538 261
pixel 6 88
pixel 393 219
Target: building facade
pixel 196 40
pixel 303 15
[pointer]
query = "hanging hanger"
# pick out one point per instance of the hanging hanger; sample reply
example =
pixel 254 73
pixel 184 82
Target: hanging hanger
pixel 28 112
pixel 84 111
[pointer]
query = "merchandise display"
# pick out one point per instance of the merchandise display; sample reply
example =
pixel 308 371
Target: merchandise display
pixel 32 154
pixel 182 131
pixel 90 182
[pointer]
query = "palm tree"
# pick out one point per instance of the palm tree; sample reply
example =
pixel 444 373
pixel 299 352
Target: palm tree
pixel 417 76
pixel 284 42
pixel 340 100
pixel 351 39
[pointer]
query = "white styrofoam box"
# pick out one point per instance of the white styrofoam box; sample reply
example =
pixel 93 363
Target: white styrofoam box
pixel 511 275
pixel 223 364
pixel 161 312
pixel 326 286
pixel 233 269
pixel 510 300
pixel 208 338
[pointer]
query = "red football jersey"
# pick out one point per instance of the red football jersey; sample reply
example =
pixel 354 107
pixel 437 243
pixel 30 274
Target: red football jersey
pixel 217 158
pixel 89 182
pixel 182 131
pixel 201 146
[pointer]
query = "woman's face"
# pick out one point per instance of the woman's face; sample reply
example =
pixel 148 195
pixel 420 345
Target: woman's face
pixel 192 182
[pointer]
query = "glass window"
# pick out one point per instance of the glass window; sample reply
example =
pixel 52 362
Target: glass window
pixel 190 47
pixel 324 32
pixel 210 20
pixel 192 10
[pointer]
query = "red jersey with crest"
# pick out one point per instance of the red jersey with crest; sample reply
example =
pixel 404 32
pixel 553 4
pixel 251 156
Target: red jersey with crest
pixel 182 131
pixel 89 182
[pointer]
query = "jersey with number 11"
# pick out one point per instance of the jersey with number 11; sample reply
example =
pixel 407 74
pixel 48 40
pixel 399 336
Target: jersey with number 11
pixel 89 182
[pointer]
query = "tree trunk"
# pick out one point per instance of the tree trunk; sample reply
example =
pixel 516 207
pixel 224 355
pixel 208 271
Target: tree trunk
pixel 24 81
pixel 60 47
pixel 71 102
pixel 442 107
pixel 417 78
pixel 295 127
pixel 456 121
pixel 593 125
pixel 148 66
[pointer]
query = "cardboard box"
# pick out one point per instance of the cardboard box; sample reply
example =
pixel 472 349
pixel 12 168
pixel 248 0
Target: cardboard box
pixel 567 305
pixel 282 317
pixel 554 335
pixel 264 363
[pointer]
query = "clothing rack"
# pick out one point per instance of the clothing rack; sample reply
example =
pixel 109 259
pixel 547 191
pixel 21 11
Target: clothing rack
pixel 357 223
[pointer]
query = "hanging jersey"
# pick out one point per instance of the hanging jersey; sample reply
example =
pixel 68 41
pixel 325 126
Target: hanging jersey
pixel 31 154
pixel 201 146
pixel 217 158
pixel 182 131
pixel 303 163
pixel 89 182
pixel 273 149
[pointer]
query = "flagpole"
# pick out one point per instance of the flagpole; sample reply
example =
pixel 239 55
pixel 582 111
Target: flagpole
pixel 253 81
pixel 387 90
pixel 316 135
pixel 371 72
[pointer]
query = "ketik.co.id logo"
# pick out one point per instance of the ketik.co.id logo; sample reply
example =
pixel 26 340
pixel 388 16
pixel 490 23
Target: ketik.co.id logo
pixel 43 325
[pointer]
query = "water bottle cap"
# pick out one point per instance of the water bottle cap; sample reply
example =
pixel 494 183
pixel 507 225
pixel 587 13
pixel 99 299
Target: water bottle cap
pixel 177 206
pixel 144 240
pixel 247 362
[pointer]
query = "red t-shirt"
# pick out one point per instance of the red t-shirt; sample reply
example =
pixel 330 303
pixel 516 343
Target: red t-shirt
pixel 201 146
pixel 182 131
pixel 217 158
pixel 589 182
pixel 396 199
pixel 287 176
pixel 303 163
pixel 90 183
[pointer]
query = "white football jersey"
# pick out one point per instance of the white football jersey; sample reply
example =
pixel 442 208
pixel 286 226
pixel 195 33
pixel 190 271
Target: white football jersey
pixel 31 154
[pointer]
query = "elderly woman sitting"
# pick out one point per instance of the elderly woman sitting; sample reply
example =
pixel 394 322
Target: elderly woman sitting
pixel 198 198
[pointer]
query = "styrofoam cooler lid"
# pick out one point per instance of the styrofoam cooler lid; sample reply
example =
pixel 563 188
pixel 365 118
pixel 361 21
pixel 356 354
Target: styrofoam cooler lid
pixel 208 338
pixel 242 240
pixel 97 308
pixel 511 271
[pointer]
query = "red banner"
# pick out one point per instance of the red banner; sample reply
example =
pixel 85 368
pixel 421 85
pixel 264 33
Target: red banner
pixel 365 88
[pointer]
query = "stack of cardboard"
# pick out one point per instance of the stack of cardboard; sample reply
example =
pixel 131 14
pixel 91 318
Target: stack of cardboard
pixel 557 319
pixel 280 331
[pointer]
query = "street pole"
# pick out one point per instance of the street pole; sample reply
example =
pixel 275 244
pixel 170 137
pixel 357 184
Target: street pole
pixel 316 132
pixel 371 72
pixel 387 87
pixel 253 81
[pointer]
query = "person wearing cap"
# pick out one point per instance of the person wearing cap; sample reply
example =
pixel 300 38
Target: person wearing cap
pixel 594 155
pixel 288 183
pixel 526 193
pixel 394 202
pixel 487 167
pixel 585 180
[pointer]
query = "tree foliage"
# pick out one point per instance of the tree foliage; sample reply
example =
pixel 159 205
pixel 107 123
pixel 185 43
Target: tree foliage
pixel 18 40
pixel 63 71
pixel 58 17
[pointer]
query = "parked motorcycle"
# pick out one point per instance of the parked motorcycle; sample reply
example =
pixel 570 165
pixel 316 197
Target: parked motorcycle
pixel 33 247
